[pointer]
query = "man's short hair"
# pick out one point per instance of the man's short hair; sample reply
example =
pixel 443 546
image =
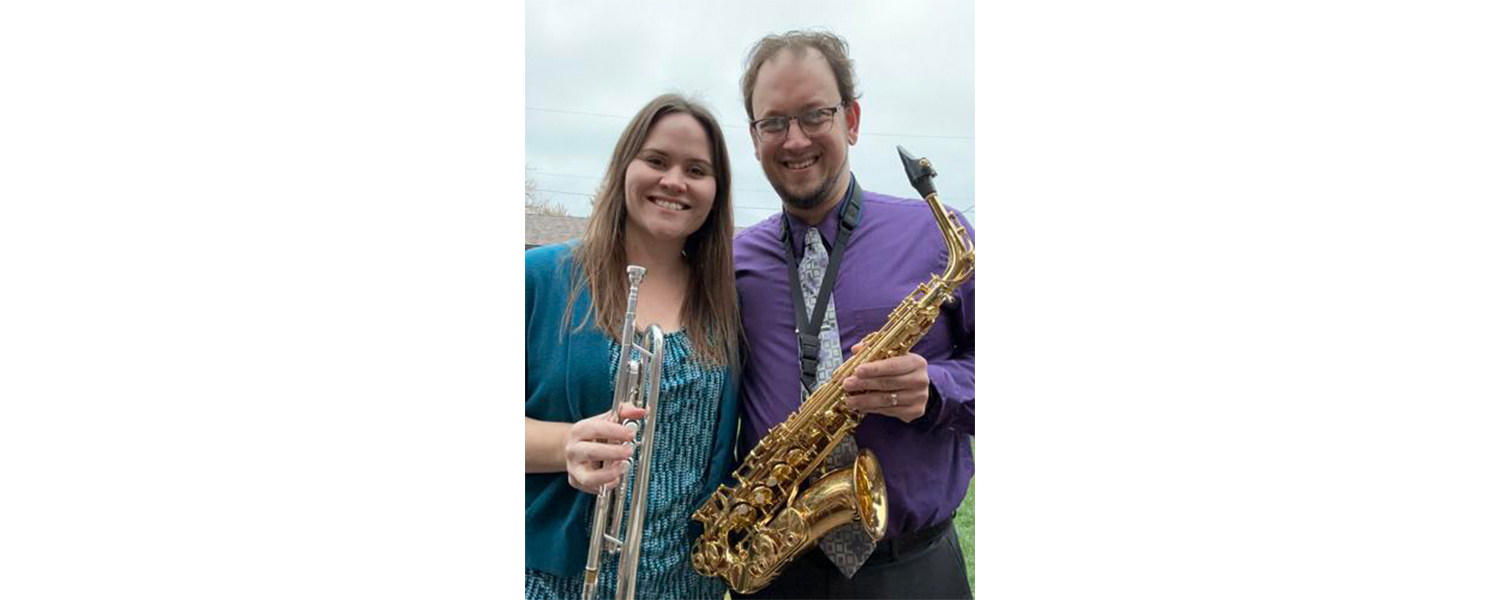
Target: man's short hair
pixel 833 48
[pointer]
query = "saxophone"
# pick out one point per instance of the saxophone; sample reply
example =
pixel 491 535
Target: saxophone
pixel 755 528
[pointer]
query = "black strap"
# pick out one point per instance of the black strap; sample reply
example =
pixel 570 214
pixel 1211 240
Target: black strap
pixel 807 331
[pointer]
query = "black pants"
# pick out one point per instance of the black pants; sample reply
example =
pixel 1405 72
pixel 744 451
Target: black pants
pixel 935 570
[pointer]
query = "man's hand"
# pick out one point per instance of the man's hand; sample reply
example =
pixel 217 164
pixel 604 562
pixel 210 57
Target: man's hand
pixel 596 448
pixel 895 387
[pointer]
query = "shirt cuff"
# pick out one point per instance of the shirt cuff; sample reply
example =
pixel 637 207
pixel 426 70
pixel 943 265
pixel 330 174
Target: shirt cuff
pixel 933 416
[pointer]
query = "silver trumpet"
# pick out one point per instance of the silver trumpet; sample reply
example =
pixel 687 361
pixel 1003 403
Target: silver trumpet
pixel 609 507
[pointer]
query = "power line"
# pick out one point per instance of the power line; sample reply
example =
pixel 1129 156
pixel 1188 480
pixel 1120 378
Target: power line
pixel 737 205
pixel 562 192
pixel 919 135
pixel 877 134
pixel 575 112
pixel 736 190
pixel 567 175
pixel 594 178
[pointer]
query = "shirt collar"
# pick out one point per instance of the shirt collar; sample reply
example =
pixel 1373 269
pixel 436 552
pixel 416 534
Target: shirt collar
pixel 828 228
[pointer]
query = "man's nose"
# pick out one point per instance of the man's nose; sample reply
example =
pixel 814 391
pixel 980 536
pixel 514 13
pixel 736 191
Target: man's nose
pixel 795 137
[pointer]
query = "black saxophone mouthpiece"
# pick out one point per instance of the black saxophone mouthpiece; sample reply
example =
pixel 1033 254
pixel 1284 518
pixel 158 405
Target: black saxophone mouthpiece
pixel 919 171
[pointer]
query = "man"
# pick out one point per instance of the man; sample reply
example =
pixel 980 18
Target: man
pixel 875 250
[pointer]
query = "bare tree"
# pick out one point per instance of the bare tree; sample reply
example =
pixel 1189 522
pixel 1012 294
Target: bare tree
pixel 535 205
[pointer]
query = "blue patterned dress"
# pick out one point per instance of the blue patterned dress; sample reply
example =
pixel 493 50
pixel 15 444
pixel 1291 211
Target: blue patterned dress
pixel 688 409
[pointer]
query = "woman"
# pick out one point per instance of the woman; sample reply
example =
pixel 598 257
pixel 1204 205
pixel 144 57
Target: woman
pixel 664 205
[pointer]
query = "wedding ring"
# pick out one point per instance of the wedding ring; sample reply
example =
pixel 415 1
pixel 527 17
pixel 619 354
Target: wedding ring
pixel 893 398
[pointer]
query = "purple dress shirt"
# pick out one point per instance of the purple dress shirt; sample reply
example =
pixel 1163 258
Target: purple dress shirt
pixel 896 247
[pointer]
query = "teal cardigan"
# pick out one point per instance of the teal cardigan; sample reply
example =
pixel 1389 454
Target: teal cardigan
pixel 567 380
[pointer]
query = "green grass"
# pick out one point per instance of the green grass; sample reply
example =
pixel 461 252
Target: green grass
pixel 964 521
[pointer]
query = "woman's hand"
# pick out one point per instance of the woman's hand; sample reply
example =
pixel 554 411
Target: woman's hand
pixel 596 447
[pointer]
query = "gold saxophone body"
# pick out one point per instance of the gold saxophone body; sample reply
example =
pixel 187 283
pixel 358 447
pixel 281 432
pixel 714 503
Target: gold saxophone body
pixel 753 529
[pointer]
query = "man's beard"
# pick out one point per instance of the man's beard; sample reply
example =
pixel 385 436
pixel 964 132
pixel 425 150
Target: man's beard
pixel 807 201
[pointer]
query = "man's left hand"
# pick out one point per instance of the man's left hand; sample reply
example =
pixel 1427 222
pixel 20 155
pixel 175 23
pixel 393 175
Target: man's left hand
pixel 895 387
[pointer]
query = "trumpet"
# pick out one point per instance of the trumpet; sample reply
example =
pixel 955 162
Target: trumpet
pixel 637 381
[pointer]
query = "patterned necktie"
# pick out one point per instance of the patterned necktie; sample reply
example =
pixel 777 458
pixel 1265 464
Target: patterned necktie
pixel 848 546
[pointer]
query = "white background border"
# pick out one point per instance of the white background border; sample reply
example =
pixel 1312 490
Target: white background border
pixel 261 278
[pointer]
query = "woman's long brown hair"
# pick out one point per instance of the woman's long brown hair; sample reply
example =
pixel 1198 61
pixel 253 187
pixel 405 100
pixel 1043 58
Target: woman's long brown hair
pixel 710 313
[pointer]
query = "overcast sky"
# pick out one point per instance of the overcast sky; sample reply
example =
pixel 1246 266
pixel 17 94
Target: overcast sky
pixel 590 65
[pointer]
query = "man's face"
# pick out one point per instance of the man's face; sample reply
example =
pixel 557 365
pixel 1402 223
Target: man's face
pixel 806 171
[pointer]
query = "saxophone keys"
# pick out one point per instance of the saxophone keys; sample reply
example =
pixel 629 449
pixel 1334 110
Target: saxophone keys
pixel 740 516
pixel 779 473
pixel 761 496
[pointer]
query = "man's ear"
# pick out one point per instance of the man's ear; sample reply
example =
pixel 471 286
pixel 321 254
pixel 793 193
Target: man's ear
pixel 851 118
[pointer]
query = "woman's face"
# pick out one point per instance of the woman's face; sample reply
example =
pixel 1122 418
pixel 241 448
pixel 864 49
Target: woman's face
pixel 670 184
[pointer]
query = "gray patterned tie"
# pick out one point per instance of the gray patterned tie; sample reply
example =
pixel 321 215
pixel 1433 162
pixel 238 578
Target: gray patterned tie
pixel 848 546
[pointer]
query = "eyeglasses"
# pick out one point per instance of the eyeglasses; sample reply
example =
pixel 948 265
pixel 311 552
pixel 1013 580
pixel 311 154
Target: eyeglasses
pixel 813 122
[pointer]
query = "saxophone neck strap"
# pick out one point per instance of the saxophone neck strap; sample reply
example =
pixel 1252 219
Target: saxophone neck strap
pixel 807 330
